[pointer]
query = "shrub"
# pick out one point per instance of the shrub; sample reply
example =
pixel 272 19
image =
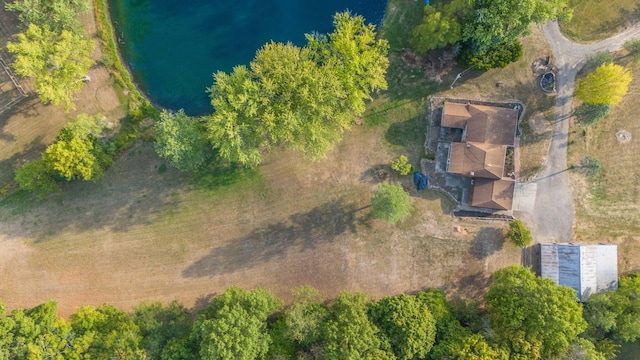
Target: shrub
pixel 589 114
pixel 401 166
pixel 518 233
pixel 633 47
pixel 391 203
pixel 596 60
pixel 498 56
pixel 592 165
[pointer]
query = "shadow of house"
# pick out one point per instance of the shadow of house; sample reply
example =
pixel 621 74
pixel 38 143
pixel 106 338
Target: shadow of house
pixel 588 269
pixel 487 132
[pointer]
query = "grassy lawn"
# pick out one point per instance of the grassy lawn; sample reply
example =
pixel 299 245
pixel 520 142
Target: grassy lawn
pixel 145 234
pixel 597 20
pixel 607 206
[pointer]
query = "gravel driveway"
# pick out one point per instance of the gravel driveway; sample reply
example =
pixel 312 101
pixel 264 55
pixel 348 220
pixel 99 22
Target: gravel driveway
pixel 552 216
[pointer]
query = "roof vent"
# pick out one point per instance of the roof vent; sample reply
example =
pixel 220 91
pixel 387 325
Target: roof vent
pixel 468 145
pixel 471 173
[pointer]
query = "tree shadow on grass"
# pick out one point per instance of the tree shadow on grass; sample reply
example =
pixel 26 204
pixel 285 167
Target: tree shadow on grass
pixel 132 192
pixel 301 232
pixel 488 240
pixel 29 151
pixel 472 286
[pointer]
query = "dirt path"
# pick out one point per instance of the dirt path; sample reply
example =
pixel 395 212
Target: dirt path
pixel 553 214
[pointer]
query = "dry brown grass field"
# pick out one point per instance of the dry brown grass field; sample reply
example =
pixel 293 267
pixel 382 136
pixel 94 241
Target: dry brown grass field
pixel 142 233
pixel 608 208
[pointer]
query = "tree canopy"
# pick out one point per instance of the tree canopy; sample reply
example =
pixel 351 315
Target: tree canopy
pixel 525 317
pixel 407 324
pixel 233 325
pixel 504 21
pixel 297 97
pixel 605 86
pixel 518 233
pixel 533 317
pixel 349 334
pixel 56 61
pixel 441 26
pixel 57 15
pixel 391 203
pixel 180 140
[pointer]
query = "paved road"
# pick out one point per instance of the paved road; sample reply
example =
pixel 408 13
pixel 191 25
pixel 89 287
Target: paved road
pixel 552 216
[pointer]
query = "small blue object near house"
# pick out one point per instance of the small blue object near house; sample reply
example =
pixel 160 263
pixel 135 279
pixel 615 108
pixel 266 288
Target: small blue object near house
pixel 420 180
pixel 588 269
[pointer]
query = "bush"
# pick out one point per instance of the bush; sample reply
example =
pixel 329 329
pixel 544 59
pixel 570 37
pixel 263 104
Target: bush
pixel 592 165
pixel 401 166
pixel 589 114
pixel 36 176
pixel 633 47
pixel 518 233
pixel 596 60
pixel 498 56
pixel 391 203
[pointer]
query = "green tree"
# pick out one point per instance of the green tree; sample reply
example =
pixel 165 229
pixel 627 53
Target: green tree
pixel 349 334
pixel 462 344
pixel 57 62
pixel 36 176
pixel 518 233
pixel 162 325
pixel 112 333
pixel 358 57
pixel 58 15
pixel 266 106
pixel 496 22
pixel 78 153
pixel 497 56
pixel 234 325
pixel 37 334
pixel 533 317
pixel 615 314
pixel 589 114
pixel 406 324
pixel 180 139
pixel 391 203
pixel 633 47
pixel 606 85
pixel 73 159
pixel 306 316
pixel 401 165
pixel 440 27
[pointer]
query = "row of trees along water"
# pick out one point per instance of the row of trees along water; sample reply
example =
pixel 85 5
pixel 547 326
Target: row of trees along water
pixel 289 96
pixel 522 317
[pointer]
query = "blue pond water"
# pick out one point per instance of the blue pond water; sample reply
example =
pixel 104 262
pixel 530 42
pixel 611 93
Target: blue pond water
pixel 174 47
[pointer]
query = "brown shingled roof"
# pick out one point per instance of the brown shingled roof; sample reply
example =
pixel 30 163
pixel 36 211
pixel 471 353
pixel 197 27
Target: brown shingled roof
pixel 493 194
pixel 477 160
pixel 484 124
pixel 488 130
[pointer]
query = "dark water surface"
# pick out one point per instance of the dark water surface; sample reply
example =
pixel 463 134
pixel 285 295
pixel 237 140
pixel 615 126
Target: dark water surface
pixel 174 47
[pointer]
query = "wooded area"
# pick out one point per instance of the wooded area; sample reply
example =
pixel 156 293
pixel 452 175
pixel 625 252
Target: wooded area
pixel 525 317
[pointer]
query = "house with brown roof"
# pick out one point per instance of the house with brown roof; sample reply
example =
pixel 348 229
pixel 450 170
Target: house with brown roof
pixel 487 133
